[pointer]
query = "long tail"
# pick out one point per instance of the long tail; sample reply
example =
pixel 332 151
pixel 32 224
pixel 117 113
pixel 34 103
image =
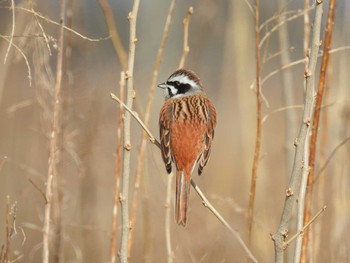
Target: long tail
pixel 183 185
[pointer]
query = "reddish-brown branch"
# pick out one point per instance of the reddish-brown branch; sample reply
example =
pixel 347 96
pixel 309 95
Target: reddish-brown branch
pixel 258 124
pixel 313 140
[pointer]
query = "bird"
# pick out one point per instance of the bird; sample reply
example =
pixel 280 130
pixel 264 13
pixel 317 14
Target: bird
pixel 186 127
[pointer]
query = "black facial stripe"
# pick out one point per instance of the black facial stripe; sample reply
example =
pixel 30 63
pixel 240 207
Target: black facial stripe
pixel 182 88
pixel 170 92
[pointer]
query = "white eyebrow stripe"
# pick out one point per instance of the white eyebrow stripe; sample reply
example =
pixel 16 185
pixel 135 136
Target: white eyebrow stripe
pixel 184 79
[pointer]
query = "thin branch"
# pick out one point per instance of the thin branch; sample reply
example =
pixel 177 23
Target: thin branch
pixel 306 38
pixel 24 57
pixel 272 73
pixel 186 48
pixel 112 257
pixel 197 189
pixel 44 35
pixel 38 189
pixel 208 205
pixel 135 115
pixel 324 166
pixel 7 256
pixel 278 53
pixel 169 249
pixel 48 20
pixel 148 111
pixel 124 194
pixel 250 7
pixel 300 165
pixel 12 30
pixel 113 32
pixel 258 125
pixel 315 124
pixel 54 145
pixel 302 231
pixel 273 29
pixel 264 119
pixel 277 17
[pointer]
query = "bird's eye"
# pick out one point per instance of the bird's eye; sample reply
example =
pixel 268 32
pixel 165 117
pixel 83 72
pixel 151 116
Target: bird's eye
pixel 177 83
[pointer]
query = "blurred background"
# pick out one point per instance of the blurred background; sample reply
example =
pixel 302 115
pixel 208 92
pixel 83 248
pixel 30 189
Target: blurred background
pixel 222 53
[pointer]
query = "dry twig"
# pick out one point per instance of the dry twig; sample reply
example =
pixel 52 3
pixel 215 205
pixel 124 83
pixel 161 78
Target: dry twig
pixel 124 194
pixel 113 32
pixel 12 30
pixel 112 257
pixel 148 111
pixel 186 48
pixel 302 231
pixel 54 144
pixel 300 165
pixel 315 124
pixel 48 20
pixel 258 125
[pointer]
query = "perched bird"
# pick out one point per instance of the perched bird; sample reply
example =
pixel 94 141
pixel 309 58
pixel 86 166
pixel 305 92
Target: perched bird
pixel 186 123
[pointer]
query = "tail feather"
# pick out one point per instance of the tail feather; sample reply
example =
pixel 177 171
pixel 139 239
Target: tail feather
pixel 182 194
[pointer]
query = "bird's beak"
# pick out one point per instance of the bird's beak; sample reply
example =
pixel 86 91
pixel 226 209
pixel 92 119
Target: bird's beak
pixel 162 85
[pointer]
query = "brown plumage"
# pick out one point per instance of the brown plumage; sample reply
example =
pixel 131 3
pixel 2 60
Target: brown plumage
pixel 187 121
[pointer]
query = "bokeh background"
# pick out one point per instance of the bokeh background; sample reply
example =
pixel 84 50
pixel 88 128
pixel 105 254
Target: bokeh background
pixel 222 53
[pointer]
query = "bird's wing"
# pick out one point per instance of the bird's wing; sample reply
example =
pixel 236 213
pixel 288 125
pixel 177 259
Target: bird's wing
pixel 165 120
pixel 209 136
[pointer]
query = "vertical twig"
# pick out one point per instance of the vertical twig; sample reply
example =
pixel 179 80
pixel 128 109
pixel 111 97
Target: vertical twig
pixel 141 155
pixel 54 144
pixel 301 164
pixel 169 249
pixel 315 124
pixel 186 48
pixel 113 32
pixel 124 195
pixel 12 30
pixel 7 256
pixel 258 124
pixel 112 257
pixel 306 42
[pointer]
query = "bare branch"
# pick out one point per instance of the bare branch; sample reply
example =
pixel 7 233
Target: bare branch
pixel 186 49
pixel 148 111
pixel 54 136
pixel 324 166
pixel 301 232
pixel 113 32
pixel 273 29
pixel 135 115
pixel 315 124
pixel 31 11
pixel 12 30
pixel 112 258
pixel 24 57
pixel 258 124
pixel 169 249
pixel 124 194
pixel 301 162
pixel 208 205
